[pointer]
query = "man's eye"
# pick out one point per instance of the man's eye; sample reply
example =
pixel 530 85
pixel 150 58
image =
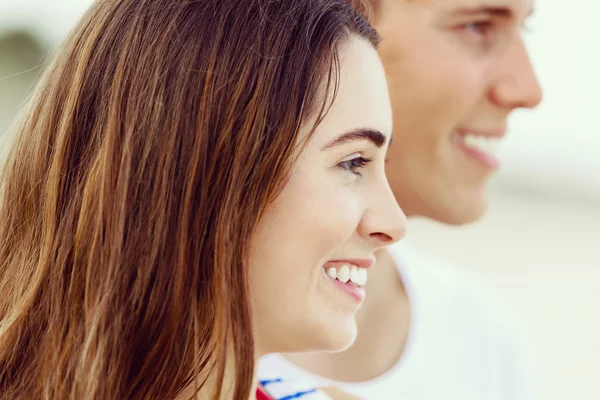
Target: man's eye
pixel 480 27
pixel 484 33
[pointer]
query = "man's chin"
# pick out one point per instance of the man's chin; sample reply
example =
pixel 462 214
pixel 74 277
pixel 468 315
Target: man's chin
pixel 443 202
pixel 457 211
pixel 468 212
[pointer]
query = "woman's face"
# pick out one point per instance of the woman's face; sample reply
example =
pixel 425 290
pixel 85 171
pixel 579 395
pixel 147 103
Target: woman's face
pixel 311 252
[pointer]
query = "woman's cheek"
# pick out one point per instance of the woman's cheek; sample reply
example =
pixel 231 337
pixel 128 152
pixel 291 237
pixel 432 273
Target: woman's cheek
pixel 336 215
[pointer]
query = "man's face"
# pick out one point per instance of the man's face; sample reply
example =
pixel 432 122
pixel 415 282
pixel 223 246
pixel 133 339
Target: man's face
pixel 456 70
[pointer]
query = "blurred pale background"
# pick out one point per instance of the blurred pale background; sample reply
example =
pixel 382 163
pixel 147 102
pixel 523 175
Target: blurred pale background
pixel 539 244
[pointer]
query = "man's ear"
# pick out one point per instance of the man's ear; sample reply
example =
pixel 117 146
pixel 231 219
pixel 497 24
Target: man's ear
pixel 369 8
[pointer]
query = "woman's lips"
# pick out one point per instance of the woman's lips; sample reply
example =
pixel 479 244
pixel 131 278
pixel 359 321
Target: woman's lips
pixel 349 275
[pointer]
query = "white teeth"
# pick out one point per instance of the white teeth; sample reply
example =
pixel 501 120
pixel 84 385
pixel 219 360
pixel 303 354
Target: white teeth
pixel 332 273
pixel 347 273
pixel 354 274
pixel 362 277
pixel 343 275
pixel 484 144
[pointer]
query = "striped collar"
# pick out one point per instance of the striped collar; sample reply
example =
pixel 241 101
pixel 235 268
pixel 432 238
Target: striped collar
pixel 280 389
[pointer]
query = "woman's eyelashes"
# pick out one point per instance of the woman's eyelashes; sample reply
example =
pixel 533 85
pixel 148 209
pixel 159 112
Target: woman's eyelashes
pixel 355 164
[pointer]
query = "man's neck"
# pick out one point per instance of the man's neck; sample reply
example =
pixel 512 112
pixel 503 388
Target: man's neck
pixel 383 325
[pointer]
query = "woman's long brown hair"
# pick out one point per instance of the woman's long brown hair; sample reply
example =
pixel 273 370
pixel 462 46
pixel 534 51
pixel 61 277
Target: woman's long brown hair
pixel 140 168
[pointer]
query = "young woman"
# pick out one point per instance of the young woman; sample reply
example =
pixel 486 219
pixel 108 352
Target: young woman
pixel 195 184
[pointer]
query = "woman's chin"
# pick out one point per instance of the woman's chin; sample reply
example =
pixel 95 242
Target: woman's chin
pixel 338 335
pixel 332 333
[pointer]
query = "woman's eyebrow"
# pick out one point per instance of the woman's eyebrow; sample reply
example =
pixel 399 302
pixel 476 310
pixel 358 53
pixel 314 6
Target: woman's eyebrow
pixel 372 135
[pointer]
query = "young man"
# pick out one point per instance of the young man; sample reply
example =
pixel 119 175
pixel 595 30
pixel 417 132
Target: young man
pixel 456 70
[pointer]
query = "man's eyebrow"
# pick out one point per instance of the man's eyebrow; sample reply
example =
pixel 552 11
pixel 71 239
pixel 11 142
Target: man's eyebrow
pixel 372 135
pixel 496 11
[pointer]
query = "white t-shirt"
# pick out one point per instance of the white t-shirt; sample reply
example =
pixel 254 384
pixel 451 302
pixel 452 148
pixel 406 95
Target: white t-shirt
pixel 463 343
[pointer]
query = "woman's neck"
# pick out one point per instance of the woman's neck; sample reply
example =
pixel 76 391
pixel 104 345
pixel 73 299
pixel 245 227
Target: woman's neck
pixel 209 387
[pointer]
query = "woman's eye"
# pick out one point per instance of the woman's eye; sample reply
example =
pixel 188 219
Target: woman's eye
pixel 355 164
